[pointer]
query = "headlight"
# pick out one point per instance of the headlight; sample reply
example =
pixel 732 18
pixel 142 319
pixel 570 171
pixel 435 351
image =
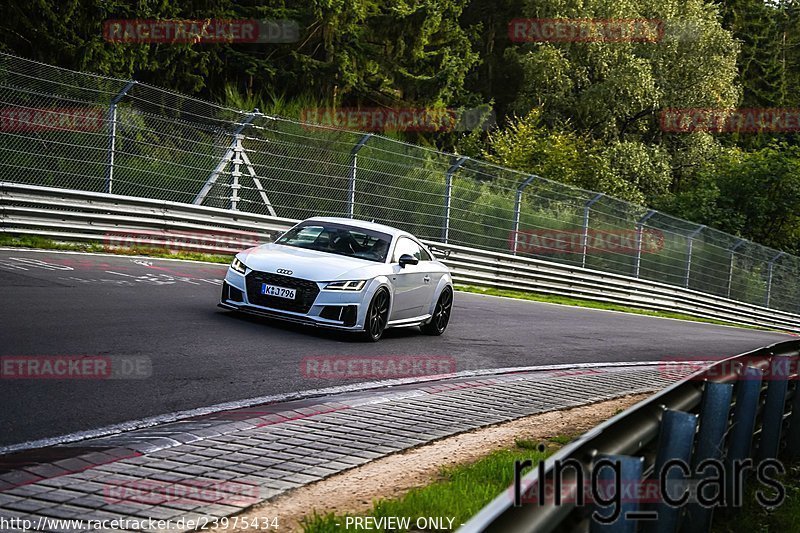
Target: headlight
pixel 238 266
pixel 345 285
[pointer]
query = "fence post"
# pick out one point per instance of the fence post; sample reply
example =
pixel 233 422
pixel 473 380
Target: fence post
pixel 228 157
pixel 639 225
pixel 448 195
pixel 793 434
pixel 714 410
pixel 351 191
pixel 769 279
pixel 732 250
pixel 690 238
pixel 675 441
pixel 518 207
pixel 629 470
pixel 745 411
pixel 585 235
pixel 112 137
pixel 236 173
pixel 774 405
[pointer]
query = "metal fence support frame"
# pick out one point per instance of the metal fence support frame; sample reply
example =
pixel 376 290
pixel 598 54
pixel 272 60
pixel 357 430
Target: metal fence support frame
pixel 585 233
pixel 112 136
pixel 732 251
pixel 518 208
pixel 639 229
pixel 351 189
pixel 448 196
pixel 227 158
pixel 689 247
pixel 257 181
pixel 771 266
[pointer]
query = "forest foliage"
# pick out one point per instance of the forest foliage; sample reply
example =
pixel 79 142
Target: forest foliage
pixel 583 113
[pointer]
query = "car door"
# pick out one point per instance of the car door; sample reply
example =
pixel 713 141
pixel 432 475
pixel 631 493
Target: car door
pixel 413 284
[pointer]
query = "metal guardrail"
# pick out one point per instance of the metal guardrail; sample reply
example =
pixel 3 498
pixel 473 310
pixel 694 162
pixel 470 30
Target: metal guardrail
pixel 480 267
pixel 736 410
pixel 125 220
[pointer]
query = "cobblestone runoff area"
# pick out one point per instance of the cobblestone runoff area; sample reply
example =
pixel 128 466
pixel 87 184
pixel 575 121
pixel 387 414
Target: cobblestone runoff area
pixel 195 471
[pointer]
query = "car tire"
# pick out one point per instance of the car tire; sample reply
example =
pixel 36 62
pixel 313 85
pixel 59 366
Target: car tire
pixel 441 314
pixel 377 316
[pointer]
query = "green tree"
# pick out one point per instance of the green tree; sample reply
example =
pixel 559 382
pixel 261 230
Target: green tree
pixel 762 28
pixel 753 194
pixel 353 52
pixel 613 92
pixel 569 157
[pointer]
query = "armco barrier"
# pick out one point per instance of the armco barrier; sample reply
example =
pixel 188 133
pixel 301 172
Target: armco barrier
pixel 88 216
pixel 744 410
pixel 117 220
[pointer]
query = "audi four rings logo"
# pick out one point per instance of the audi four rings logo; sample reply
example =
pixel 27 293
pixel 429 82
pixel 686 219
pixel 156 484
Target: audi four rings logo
pixel 284 271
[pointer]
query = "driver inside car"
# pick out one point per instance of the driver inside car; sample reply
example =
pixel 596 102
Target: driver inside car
pixel 344 242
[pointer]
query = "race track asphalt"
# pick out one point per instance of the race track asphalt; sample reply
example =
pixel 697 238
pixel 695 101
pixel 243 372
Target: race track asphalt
pixel 164 313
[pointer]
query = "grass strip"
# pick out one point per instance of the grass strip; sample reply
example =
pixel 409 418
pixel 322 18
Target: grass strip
pixel 753 517
pixel 42 243
pixel 458 493
pixel 592 304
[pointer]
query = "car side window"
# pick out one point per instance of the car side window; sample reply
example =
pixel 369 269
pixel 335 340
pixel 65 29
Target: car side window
pixel 425 255
pixel 407 246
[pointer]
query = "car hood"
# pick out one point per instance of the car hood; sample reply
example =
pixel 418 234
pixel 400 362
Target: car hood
pixel 310 264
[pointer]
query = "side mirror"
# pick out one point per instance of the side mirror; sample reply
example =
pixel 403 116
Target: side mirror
pixel 407 259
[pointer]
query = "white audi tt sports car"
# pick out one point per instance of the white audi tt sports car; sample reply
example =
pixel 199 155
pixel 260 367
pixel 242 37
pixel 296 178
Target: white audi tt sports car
pixel 344 274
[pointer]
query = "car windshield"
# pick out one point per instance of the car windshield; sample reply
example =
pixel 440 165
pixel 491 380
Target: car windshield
pixel 339 239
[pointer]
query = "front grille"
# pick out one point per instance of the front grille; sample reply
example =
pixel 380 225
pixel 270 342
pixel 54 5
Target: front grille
pixel 307 291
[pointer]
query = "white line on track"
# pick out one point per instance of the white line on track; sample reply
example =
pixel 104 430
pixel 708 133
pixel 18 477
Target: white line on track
pixel 301 395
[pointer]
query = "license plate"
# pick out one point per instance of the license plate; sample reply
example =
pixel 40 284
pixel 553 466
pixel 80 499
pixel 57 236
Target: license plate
pixel 280 292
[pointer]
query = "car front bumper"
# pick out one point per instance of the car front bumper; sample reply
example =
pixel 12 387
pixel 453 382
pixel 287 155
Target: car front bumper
pixel 342 310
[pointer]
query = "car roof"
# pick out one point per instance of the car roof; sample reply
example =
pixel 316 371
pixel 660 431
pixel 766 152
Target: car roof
pixel 394 232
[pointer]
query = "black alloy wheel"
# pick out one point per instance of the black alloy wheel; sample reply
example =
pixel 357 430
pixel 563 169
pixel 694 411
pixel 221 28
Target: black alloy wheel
pixel 441 314
pixel 377 315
